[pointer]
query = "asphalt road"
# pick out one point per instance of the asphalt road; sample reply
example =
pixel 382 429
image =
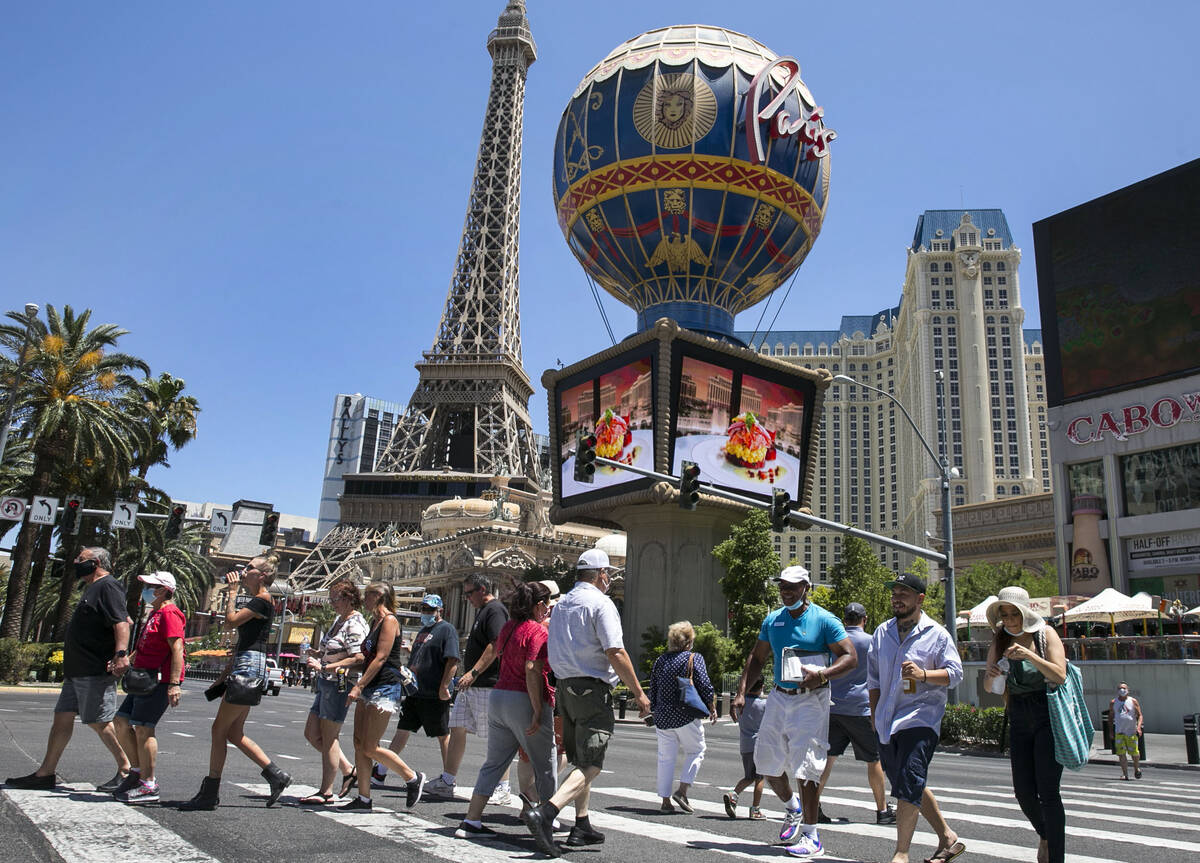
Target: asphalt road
pixel 1157 817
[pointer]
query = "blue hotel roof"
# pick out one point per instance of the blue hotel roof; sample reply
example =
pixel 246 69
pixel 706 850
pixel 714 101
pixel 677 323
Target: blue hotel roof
pixel 932 221
pixel 851 324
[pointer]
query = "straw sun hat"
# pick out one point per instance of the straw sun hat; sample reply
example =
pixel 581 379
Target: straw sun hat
pixel 1017 597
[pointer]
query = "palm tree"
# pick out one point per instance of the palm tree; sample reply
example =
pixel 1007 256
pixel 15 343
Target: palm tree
pixel 170 417
pixel 147 549
pixel 70 404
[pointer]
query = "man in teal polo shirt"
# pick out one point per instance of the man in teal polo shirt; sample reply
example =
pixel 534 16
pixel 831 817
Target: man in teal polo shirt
pixel 794 735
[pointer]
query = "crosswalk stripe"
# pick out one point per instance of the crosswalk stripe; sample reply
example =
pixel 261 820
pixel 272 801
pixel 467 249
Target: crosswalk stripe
pixel 1000 800
pixel 88 827
pixel 1132 792
pixel 974 846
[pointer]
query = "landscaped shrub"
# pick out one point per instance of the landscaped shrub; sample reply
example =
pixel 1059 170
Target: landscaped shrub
pixel 971 725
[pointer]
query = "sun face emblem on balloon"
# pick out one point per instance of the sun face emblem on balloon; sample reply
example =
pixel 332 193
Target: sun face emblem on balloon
pixel 674 111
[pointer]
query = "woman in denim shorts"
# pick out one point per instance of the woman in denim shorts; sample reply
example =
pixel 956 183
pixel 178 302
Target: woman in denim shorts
pixel 253 624
pixel 338 653
pixel 378 693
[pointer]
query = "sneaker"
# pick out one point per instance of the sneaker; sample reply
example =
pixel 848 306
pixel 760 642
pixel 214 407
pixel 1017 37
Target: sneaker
pixel 470 831
pixel 756 814
pixel 887 816
pixel 1137 774
pixel 729 798
pixel 113 784
pixel 682 802
pixel 131 781
pixel 541 828
pixel 580 837
pixel 378 777
pixel 357 805
pixel 806 846
pixel 414 789
pixel 143 793
pixel 32 782
pixel 500 797
pixel 439 787
pixel 791 824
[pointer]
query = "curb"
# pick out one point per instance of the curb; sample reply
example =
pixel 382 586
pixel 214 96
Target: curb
pixel 39 689
pixel 1102 757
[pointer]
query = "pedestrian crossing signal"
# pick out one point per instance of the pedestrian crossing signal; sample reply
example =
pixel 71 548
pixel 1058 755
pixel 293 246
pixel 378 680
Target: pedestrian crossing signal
pixel 175 520
pixel 585 458
pixel 689 485
pixel 270 527
pixel 781 502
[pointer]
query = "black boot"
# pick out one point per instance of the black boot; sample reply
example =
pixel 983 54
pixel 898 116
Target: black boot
pixel 206 798
pixel 277 779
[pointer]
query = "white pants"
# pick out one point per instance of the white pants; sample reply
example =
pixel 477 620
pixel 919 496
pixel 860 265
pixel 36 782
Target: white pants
pixel 689 738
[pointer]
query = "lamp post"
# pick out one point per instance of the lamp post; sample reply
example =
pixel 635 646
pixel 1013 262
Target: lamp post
pixel 31 310
pixel 947 473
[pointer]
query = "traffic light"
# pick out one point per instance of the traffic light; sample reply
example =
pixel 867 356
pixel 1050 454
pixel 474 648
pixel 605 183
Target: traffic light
pixel 175 520
pixel 70 519
pixel 270 527
pixel 689 485
pixel 781 501
pixel 585 458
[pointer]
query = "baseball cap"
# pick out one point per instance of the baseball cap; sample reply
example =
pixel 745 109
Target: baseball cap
pixel 910 580
pixel 593 558
pixel 794 575
pixel 161 578
pixel 854 610
pixel 432 600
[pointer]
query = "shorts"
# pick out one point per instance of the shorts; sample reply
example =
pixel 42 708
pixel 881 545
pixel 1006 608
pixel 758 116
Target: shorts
pixel 93 697
pixel 794 735
pixel 749 770
pixel 906 760
pixel 471 710
pixel 385 697
pixel 329 703
pixel 1126 744
pixel 432 714
pixel 854 730
pixel 145 709
pixel 586 707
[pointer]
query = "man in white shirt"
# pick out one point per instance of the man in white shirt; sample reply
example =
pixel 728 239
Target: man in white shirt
pixel 587 655
pixel 912 662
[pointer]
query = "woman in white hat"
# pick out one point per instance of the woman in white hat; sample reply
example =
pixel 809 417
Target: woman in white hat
pixel 1024 656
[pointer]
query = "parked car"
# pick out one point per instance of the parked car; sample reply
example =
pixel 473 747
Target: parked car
pixel 274 677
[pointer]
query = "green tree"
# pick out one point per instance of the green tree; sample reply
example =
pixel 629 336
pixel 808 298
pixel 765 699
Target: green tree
pixel 750 564
pixel 170 418
pixel 146 548
pixel 858 576
pixel 71 409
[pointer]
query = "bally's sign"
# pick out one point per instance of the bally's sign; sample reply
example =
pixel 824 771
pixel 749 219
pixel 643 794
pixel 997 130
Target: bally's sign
pixel 1133 420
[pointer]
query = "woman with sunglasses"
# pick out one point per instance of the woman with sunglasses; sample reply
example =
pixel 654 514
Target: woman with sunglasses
pixel 252 624
pixel 377 694
pixel 332 664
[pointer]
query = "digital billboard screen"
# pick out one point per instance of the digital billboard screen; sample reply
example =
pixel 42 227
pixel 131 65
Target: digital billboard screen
pixel 747 426
pixel 614 401
pixel 1119 295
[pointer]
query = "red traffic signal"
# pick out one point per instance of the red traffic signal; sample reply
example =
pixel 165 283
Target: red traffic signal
pixel 70 520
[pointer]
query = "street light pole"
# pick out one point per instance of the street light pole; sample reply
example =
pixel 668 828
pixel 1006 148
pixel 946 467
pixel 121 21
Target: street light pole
pixel 31 310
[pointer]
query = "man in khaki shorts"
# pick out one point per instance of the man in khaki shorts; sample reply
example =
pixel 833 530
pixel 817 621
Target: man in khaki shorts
pixel 587 655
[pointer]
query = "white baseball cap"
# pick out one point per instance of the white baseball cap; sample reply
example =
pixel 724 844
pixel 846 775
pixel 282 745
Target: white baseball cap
pixel 593 558
pixel 164 579
pixel 794 575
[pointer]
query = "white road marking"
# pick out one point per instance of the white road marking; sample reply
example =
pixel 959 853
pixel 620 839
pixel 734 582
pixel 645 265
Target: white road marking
pixel 182 734
pixel 91 827
pixel 289 757
pixel 273 725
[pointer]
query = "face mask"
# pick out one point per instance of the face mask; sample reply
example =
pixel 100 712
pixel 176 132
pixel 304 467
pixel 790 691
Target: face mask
pixel 1010 632
pixel 1122 692
pixel 84 568
pixel 795 605
pixel 428 619
pixel 148 595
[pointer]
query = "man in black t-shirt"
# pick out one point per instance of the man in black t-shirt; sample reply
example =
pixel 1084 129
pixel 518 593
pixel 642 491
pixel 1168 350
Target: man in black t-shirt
pixel 470 711
pixel 95 654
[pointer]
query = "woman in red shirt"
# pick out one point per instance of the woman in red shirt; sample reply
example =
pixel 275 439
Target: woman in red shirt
pixel 521 706
pixel 159 649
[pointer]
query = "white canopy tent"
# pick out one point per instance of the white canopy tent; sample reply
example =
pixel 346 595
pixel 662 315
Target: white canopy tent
pixel 1111 606
pixel 1195 612
pixel 976 616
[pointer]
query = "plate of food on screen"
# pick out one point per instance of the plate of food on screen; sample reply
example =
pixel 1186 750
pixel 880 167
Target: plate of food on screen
pixel 745 455
pixel 615 440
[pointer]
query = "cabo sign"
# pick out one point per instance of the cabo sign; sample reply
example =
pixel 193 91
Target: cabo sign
pixel 1133 420
pixel 809 126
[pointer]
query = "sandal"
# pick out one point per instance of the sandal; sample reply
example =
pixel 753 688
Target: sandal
pixel 316 800
pixel 348 781
pixel 945 855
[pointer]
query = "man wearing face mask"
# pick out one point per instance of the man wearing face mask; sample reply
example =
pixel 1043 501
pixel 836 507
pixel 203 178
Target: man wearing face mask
pixel 1126 716
pixel 95 654
pixel 794 735
pixel 587 655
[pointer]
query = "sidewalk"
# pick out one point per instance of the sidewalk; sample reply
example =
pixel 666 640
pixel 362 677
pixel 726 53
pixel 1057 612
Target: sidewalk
pixel 32 688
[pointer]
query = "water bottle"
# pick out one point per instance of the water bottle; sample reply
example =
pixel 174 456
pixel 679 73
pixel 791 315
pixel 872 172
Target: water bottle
pixel 341 680
pixel 996 685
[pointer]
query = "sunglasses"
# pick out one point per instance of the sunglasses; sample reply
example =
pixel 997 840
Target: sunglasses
pixel 471 592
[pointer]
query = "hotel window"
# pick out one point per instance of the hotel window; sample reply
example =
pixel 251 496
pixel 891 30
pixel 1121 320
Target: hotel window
pixel 934 281
pixel 987 266
pixel 1001 266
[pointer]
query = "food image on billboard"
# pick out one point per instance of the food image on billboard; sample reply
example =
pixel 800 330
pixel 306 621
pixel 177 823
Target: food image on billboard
pixel 746 433
pixel 617 406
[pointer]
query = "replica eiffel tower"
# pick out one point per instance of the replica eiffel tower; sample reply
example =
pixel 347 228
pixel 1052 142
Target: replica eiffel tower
pixel 468 419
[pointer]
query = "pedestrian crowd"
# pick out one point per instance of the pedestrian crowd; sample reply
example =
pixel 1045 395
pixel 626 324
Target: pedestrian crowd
pixel 537 681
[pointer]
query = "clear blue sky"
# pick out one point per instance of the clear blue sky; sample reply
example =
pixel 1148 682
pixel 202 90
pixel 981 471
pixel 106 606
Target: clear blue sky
pixel 269 195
